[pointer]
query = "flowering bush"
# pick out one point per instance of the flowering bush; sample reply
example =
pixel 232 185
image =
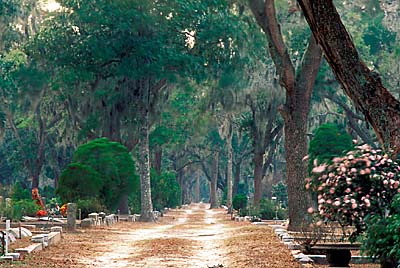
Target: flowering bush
pixel 364 182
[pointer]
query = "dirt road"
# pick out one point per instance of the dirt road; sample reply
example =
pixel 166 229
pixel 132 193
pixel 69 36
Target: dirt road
pixel 192 237
pixel 189 237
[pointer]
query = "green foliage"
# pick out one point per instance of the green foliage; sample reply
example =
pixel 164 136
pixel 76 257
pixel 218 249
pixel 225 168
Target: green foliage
pixel 165 190
pixel 381 238
pixel 79 181
pixel 279 190
pixel 270 210
pixel 48 191
pixel 239 201
pixel 19 208
pixel 88 206
pixel 100 169
pixel 329 141
pixel 20 193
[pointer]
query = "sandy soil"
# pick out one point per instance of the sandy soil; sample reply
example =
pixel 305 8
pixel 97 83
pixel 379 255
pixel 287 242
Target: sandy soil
pixel 195 237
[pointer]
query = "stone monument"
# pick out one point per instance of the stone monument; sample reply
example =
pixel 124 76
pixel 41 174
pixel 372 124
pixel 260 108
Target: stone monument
pixel 71 217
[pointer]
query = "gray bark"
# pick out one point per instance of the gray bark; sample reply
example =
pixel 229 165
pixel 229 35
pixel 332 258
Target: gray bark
pixel 146 214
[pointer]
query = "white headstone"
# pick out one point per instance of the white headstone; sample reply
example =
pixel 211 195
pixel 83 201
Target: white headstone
pixel 8 226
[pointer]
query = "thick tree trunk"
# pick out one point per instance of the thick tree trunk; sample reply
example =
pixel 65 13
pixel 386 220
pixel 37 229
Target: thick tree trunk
pixel 236 180
pixel 362 85
pixel 298 86
pixel 258 175
pixel 146 214
pixel 295 149
pixel 229 171
pixel 214 179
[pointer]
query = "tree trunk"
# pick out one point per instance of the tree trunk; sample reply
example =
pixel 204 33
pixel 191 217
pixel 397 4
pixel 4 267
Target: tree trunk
pixel 236 179
pixel 298 86
pixel 214 179
pixel 268 181
pixel 362 85
pixel 229 171
pixel 123 206
pixel 295 149
pixel 197 191
pixel 37 166
pixel 157 159
pixel 258 175
pixel 146 214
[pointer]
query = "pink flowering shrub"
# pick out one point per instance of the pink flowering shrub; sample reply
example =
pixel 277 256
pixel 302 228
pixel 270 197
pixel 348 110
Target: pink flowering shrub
pixel 360 184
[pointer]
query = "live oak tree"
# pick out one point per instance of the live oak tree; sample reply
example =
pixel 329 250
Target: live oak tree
pixel 363 86
pixel 298 85
pixel 119 59
pixel 31 111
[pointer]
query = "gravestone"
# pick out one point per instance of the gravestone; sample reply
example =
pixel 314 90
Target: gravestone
pixel 87 223
pixel 71 217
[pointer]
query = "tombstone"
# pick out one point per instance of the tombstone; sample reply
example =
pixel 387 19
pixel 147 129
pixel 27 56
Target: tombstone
pixel 20 232
pixel 95 217
pixel 56 229
pixel 87 223
pixel 71 217
pixel 102 217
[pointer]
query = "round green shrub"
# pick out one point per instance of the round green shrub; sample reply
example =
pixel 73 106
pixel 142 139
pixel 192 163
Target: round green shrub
pixel 239 201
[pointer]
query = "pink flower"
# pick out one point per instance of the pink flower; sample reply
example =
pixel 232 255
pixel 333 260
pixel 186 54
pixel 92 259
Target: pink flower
pixel 336 203
pixel 337 159
pixel 321 201
pixel 348 190
pixel 310 210
pixel 354 206
pixel 308 186
pixel 385 182
pixel 305 158
pixel 319 169
pixel 332 190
